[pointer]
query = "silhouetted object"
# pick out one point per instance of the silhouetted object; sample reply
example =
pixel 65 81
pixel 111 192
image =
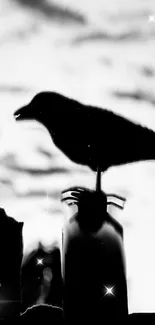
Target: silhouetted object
pixel 89 135
pixel 42 313
pixel 139 318
pixel 93 265
pixel 35 289
pixel 11 253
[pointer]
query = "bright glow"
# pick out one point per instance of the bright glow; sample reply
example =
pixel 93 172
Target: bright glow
pixel 39 261
pixel 109 291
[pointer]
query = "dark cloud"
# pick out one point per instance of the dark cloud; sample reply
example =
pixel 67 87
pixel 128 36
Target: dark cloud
pixel 35 193
pixel 40 171
pixel 53 11
pixel 98 36
pixel 138 95
pixel 56 195
pixel 46 153
pixel 13 89
pixel 148 71
pixel 10 162
pixel 7 182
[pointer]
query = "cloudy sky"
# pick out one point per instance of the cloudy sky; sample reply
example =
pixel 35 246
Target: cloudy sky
pixel 98 52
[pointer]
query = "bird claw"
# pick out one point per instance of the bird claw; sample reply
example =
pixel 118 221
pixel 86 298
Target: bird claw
pixel 73 194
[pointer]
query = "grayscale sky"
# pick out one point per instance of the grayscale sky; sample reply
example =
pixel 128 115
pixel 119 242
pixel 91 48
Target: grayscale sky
pixel 98 52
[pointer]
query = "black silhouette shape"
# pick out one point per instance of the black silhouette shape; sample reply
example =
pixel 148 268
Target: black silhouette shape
pixel 11 253
pixel 42 313
pixel 89 135
pixel 95 202
pixel 93 262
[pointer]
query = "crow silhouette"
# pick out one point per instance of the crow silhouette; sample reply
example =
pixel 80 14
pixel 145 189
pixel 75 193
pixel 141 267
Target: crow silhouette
pixel 89 135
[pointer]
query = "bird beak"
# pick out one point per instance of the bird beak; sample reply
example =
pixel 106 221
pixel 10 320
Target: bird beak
pixel 17 116
pixel 21 114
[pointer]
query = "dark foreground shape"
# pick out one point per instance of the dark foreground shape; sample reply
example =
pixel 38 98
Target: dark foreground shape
pixel 11 252
pixel 141 318
pixel 33 278
pixel 93 265
pixel 42 313
pixel 89 135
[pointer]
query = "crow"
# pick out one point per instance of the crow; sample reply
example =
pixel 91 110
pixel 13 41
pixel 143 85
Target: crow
pixel 89 135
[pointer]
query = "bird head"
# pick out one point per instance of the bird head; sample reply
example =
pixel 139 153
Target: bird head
pixel 49 108
pixel 69 123
pixel 36 108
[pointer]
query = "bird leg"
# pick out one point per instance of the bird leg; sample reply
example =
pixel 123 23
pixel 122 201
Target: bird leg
pixel 98 179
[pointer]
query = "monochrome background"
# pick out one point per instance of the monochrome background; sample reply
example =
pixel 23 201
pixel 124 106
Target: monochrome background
pixel 100 53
